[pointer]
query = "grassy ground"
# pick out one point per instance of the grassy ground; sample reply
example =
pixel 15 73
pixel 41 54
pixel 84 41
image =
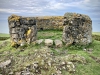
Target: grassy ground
pixel 96 33
pixel 92 67
pixel 4 35
pixel 52 34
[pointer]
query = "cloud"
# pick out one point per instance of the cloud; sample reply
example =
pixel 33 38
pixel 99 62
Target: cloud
pixel 41 7
pixel 49 7
pixel 11 10
pixel 18 6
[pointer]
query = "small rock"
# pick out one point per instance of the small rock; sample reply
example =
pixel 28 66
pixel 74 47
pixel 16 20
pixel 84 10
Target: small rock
pixel 25 72
pixel 6 63
pixel 23 43
pixel 48 42
pixel 35 65
pixel 59 72
pixel 70 67
pixel 63 63
pixel 89 50
pixel 39 41
pixel 84 49
pixel 58 43
pixel 11 73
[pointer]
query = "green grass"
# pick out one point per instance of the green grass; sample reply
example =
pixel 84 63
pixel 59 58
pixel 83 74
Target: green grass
pixel 96 33
pixel 92 67
pixel 96 36
pixel 50 34
pixel 4 35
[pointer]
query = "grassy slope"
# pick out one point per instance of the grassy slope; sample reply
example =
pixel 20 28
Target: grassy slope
pixel 4 35
pixel 92 67
pixel 96 33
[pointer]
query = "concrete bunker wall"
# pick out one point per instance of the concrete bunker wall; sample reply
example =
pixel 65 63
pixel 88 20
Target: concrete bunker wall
pixel 77 29
pixel 50 22
pixel 22 29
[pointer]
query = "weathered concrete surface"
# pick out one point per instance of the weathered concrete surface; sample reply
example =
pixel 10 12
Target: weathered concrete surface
pixel 50 22
pixel 22 29
pixel 77 29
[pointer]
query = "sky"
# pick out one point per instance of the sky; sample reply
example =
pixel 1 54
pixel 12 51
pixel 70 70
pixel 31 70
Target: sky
pixel 31 8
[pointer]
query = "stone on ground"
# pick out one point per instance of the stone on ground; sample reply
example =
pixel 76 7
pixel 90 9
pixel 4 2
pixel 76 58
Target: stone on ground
pixel 39 41
pixel 48 42
pixel 58 43
pixel 5 63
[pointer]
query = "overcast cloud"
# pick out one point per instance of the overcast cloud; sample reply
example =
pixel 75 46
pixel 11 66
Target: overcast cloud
pixel 47 8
